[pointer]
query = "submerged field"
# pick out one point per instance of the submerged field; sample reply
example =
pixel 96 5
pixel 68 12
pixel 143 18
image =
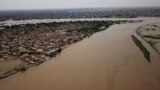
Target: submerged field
pixel 7 65
pixel 151 34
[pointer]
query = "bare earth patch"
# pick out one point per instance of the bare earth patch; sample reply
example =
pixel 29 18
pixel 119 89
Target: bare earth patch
pixel 151 34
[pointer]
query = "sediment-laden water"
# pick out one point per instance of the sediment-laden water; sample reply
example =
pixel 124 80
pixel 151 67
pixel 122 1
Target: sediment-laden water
pixel 108 60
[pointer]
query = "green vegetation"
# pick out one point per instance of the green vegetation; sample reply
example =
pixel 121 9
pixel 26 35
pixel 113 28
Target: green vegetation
pixel 152 45
pixel 142 48
pixel 8 68
pixel 7 65
pixel 152 37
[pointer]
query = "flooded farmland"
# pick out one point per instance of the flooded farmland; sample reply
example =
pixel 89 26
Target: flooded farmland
pixel 108 60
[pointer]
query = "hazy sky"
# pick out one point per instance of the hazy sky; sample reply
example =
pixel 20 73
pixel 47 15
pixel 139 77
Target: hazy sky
pixel 54 4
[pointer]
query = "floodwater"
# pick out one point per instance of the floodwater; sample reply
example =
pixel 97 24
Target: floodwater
pixel 108 60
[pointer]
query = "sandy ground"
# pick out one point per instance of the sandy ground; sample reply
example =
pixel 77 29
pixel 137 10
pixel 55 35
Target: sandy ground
pixel 151 33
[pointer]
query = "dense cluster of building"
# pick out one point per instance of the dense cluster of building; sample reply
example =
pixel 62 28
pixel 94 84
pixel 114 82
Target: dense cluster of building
pixel 30 42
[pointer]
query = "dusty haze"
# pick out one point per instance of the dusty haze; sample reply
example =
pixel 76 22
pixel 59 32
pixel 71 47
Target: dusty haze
pixel 54 4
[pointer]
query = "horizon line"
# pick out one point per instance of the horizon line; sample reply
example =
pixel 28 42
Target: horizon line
pixel 80 8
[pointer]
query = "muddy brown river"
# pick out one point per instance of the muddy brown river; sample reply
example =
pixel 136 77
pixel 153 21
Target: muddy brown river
pixel 108 60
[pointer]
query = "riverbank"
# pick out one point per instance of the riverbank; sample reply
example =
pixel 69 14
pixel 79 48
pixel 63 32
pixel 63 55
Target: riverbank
pixel 142 48
pixel 32 44
pixel 108 60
